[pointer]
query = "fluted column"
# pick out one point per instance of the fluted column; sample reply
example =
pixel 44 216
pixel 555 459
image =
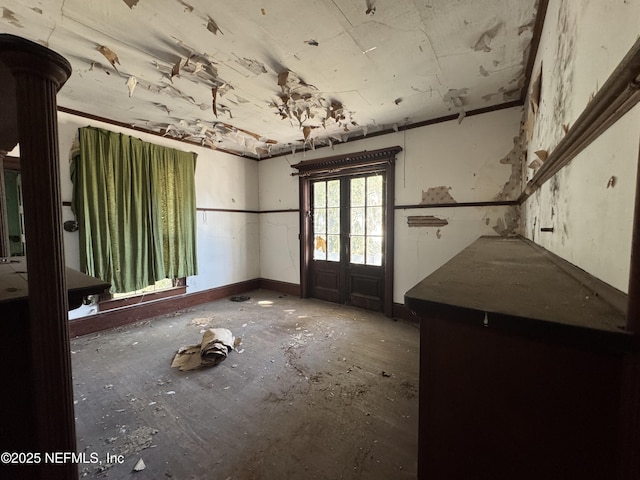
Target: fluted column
pixel 39 73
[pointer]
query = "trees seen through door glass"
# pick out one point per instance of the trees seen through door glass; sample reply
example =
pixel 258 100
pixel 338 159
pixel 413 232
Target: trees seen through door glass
pixel 366 220
pixel 326 220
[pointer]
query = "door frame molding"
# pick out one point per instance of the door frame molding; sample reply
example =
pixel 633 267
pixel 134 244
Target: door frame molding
pixel 381 160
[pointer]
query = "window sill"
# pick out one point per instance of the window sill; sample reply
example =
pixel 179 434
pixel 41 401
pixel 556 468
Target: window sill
pixel 110 304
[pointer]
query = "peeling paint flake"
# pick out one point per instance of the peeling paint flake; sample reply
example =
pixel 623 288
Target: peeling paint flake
pixel 109 55
pixel 214 94
pixel 484 43
pixel 10 17
pixel 542 155
pixel 312 42
pixel 254 66
pixel 536 90
pixel 175 70
pixel 483 71
pixel 454 97
pixel 212 26
pixel 187 8
pixel 371 8
pixel 282 79
pixel 131 84
pixel 131 3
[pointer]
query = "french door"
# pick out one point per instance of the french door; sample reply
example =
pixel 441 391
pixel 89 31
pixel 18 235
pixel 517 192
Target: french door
pixel 346 228
pixel 347 220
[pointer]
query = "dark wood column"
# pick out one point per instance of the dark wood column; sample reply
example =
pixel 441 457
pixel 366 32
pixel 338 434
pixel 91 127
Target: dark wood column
pixel 39 73
pixel 633 315
pixel 5 249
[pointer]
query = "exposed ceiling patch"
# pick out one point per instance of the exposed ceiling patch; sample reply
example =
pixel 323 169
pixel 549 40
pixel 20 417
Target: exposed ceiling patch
pixel 131 3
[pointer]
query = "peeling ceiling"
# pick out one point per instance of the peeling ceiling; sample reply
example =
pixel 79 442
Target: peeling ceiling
pixel 258 78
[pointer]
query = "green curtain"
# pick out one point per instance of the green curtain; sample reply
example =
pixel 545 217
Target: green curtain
pixel 136 209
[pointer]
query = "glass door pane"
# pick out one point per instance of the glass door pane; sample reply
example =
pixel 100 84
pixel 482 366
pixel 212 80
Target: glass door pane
pixel 326 220
pixel 366 220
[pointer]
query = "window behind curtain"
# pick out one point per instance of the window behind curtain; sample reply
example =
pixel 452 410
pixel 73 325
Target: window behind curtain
pixel 136 209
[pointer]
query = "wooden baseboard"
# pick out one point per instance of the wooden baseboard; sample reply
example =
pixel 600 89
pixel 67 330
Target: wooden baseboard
pixel 282 287
pixel 402 312
pixel 125 315
pixel 134 313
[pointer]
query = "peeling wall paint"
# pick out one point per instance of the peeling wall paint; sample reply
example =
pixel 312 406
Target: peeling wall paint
pixel 435 195
pixel 249 245
pixel 515 159
pixel 591 221
pixel 452 158
pixel 508 224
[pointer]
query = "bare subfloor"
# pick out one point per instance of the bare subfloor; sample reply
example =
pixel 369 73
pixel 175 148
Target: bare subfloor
pixel 315 390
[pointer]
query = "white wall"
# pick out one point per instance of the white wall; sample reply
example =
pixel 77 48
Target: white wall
pixel 228 242
pixel 465 157
pixel 582 43
pixel 279 244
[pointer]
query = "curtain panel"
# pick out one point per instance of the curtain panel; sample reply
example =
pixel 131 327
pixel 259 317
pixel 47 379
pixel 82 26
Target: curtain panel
pixel 136 209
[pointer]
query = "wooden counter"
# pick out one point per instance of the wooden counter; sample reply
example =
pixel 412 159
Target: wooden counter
pixel 524 363
pixel 17 417
pixel 14 286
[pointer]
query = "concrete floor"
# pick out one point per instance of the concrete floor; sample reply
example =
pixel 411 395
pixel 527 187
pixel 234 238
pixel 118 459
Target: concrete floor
pixel 315 391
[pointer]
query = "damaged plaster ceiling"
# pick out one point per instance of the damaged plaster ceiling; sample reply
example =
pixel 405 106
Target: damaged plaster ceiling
pixel 258 78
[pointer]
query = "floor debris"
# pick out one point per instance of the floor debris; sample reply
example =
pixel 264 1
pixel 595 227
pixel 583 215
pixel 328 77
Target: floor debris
pixel 139 466
pixel 214 348
pixel 240 298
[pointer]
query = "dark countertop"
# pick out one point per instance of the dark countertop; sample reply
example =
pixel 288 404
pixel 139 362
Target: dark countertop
pixel 14 286
pixel 512 279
